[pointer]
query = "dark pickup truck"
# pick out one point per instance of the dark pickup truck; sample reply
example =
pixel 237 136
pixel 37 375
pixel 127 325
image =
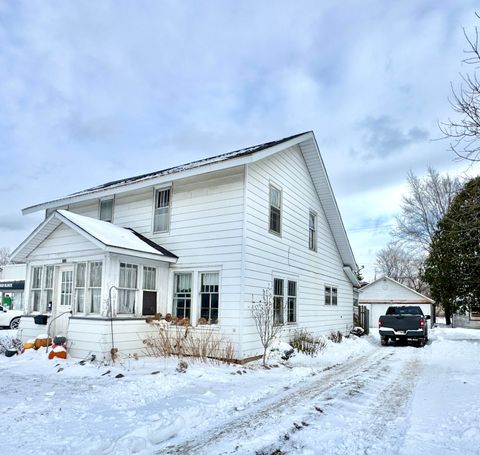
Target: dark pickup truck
pixel 403 323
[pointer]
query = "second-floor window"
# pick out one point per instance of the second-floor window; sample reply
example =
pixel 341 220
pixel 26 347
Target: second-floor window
pixel 275 209
pixel 161 216
pixel 312 231
pixel 330 295
pixel 106 210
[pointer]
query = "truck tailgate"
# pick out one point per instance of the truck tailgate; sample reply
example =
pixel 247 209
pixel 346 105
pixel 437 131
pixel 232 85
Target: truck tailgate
pixel 401 323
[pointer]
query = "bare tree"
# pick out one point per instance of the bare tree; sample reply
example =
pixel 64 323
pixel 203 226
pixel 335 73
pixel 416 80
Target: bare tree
pixel 263 314
pixel 403 266
pixel 464 131
pixel 4 256
pixel 426 203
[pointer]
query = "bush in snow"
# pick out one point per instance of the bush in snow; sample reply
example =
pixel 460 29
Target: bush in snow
pixel 304 341
pixel 182 366
pixel 263 314
pixel 10 343
pixel 205 343
pixel 336 337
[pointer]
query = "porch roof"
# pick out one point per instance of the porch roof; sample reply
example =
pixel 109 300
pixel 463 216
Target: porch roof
pixel 106 236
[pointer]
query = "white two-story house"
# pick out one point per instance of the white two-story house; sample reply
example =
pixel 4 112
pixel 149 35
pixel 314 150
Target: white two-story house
pixel 198 241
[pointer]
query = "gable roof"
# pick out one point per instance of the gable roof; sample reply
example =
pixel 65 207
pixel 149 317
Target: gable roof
pixel 105 236
pixel 396 283
pixel 308 146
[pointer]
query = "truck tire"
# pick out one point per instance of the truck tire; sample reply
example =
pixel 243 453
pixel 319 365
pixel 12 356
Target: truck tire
pixel 384 341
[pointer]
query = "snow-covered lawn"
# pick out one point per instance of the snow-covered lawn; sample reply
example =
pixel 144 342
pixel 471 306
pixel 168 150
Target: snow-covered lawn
pixel 357 397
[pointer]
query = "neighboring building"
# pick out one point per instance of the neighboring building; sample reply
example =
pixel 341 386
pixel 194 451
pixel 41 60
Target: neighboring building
pixel 12 284
pixel 470 320
pixel 198 241
pixel 384 292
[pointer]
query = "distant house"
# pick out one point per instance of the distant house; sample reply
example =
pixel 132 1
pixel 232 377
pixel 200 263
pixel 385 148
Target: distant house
pixel 471 319
pixel 384 292
pixel 198 241
pixel 12 284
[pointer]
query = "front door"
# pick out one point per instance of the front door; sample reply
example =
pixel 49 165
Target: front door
pixel 63 302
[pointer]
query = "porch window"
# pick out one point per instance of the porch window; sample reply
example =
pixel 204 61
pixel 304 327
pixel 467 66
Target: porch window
pixel 278 297
pixel 106 210
pixel 292 302
pixel 127 291
pixel 36 288
pixel 149 278
pixel 161 217
pixel 182 296
pixel 80 283
pixel 95 287
pixel 209 297
pixel 48 285
pixel 312 231
pixel 275 209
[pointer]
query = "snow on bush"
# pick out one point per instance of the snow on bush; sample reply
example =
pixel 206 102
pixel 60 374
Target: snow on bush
pixel 9 343
pixel 305 342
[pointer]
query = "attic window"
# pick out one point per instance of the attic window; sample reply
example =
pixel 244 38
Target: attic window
pixel 106 210
pixel 161 217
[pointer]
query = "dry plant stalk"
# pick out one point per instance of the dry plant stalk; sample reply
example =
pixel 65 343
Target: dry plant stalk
pixel 204 343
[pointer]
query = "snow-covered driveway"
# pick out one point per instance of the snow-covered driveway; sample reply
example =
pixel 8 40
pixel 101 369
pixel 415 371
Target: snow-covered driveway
pixel 358 397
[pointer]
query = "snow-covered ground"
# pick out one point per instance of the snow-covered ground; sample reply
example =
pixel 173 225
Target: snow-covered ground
pixel 356 398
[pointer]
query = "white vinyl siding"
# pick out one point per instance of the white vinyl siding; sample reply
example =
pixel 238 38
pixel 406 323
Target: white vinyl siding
pixel 161 217
pixel 289 257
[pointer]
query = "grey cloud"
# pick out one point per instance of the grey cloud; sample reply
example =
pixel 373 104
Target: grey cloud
pixel 382 136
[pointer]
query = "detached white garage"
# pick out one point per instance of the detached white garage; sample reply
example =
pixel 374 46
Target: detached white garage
pixel 384 292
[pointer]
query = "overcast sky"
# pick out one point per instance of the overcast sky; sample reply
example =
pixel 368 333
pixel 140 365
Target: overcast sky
pixel 96 91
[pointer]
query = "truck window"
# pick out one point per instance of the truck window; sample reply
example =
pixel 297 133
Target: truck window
pixel 401 310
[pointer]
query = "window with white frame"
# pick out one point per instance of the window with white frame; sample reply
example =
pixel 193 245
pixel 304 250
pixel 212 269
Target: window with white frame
pixel 66 288
pixel 149 278
pixel 161 216
pixel 209 292
pixel 95 287
pixel 36 288
pixel 292 302
pixel 106 210
pixel 48 285
pixel 182 295
pixel 312 231
pixel 330 295
pixel 127 285
pixel 278 300
pixel 80 285
pixel 275 209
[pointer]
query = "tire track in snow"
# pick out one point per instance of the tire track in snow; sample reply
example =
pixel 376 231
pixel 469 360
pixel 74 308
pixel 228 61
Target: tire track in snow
pixel 341 379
